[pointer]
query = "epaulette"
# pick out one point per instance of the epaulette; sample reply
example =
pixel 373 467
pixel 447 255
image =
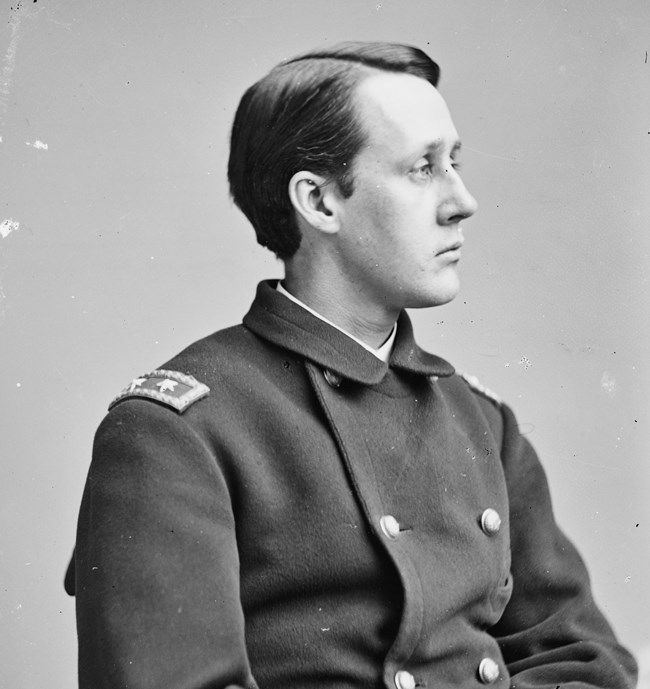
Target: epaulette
pixel 176 390
pixel 475 384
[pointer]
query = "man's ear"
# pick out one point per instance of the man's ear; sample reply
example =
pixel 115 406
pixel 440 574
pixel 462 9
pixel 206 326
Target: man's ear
pixel 315 201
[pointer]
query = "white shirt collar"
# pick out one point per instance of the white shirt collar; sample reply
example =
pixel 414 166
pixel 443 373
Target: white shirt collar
pixel 382 352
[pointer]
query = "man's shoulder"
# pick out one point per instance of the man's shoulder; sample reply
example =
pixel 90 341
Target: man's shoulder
pixel 471 400
pixel 216 353
pixel 479 389
pixel 199 371
pixel 466 385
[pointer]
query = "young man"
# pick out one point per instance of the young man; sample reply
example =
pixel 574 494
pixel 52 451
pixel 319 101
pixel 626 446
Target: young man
pixel 309 499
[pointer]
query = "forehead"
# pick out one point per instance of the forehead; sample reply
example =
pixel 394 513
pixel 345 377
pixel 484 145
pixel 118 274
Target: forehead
pixel 403 112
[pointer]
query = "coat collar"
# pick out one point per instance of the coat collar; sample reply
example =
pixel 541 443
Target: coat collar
pixel 277 319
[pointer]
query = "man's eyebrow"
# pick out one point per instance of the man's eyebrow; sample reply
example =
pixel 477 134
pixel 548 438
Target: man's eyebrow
pixel 431 149
pixel 438 144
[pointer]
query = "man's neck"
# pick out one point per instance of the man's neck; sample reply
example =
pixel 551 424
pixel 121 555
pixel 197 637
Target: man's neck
pixel 371 326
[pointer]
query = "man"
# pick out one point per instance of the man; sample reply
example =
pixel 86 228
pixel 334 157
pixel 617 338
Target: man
pixel 309 499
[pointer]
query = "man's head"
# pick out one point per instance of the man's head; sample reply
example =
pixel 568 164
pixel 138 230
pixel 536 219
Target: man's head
pixel 303 116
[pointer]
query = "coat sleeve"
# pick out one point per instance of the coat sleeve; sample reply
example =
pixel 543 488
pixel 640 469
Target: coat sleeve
pixel 157 571
pixel 551 634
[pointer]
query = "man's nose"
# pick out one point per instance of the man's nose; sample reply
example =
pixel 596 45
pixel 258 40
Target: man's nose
pixel 458 204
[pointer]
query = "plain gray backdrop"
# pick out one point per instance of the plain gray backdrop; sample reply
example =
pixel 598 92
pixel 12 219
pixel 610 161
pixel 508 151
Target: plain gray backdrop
pixel 119 246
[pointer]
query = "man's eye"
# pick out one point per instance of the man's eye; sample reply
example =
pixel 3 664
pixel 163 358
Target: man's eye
pixel 423 171
pixel 455 164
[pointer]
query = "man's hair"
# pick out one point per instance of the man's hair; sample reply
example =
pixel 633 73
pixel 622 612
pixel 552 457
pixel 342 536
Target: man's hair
pixel 301 116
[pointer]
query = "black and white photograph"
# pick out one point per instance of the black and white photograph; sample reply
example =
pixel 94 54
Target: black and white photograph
pixel 324 354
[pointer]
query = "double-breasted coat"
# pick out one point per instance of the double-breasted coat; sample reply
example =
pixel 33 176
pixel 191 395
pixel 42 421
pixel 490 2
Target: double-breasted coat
pixel 319 518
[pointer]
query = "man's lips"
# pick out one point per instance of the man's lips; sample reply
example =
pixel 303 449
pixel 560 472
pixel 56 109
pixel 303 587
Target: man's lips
pixel 451 247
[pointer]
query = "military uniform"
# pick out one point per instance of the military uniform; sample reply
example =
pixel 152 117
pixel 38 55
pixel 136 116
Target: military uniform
pixel 276 507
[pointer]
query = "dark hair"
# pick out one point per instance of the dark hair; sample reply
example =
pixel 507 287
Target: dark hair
pixel 301 116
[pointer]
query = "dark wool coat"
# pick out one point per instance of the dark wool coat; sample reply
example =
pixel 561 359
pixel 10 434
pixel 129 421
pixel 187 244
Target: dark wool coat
pixel 322 519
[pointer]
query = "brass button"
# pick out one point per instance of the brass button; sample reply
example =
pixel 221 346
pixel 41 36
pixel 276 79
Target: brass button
pixel 333 379
pixel 488 671
pixel 490 522
pixel 390 526
pixel 404 680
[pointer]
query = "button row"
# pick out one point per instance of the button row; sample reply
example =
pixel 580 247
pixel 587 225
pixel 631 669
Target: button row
pixel 488 672
pixel 490 523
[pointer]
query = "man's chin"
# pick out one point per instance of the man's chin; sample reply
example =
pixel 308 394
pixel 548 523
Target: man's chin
pixel 437 297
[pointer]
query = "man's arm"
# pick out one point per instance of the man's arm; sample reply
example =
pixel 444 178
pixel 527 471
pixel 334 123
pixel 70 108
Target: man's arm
pixel 157 570
pixel 551 634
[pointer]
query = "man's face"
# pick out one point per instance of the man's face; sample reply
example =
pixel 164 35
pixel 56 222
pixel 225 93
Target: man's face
pixel 400 236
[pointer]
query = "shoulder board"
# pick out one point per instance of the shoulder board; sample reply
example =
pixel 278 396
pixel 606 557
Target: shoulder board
pixel 474 383
pixel 176 390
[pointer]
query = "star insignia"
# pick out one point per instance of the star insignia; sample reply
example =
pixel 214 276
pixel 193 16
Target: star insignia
pixel 171 388
pixel 167 384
